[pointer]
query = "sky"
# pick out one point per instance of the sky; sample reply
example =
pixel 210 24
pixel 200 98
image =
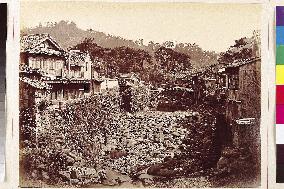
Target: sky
pixel 213 27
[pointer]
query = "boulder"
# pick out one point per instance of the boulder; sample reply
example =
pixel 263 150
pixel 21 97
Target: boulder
pixel 166 172
pixel 74 181
pixel 35 173
pixel 223 164
pixel 65 175
pixel 74 174
pixel 117 154
pixel 154 169
pixel 145 176
pixel 45 175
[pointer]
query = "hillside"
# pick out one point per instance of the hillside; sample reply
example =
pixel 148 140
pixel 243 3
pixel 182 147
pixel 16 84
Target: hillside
pixel 155 68
pixel 68 35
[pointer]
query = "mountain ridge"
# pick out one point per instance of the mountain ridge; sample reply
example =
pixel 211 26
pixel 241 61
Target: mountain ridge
pixel 68 35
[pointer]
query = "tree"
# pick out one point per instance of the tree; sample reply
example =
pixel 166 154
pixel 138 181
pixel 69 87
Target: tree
pixel 241 50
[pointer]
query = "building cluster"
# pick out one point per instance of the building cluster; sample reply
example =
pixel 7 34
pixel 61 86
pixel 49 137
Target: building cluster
pixel 234 90
pixel 47 71
pixel 241 88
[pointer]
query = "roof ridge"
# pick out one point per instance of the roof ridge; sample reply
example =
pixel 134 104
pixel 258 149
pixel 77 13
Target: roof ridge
pixel 31 41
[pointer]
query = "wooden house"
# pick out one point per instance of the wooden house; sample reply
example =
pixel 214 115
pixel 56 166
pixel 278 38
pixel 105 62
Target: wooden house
pixel 128 79
pixel 32 92
pixel 68 74
pixel 42 52
pixel 109 84
pixel 244 88
pixel 64 89
pixel 221 84
pixel 198 86
pixel 210 85
pixel 183 79
pixel 79 65
pixel 243 108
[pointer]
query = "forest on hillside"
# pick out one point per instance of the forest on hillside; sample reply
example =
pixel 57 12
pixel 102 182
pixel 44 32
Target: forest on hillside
pixel 156 68
pixel 67 34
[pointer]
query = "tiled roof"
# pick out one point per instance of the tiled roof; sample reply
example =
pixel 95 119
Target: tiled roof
pixel 24 70
pixel 242 62
pixel 77 58
pixel 31 43
pixel 35 83
pixel 67 81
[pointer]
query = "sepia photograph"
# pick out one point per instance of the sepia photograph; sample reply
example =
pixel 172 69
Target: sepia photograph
pixel 133 95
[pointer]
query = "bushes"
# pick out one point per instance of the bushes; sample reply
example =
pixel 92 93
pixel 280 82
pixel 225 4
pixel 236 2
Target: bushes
pixel 27 126
pixel 94 134
pixel 63 138
pixel 134 98
pixel 43 105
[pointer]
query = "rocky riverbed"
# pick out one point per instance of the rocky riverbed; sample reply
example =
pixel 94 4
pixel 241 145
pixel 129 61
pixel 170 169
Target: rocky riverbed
pixel 90 145
pixel 94 142
pixel 139 147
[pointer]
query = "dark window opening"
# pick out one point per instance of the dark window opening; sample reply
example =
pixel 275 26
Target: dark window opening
pixel 86 88
pixel 234 82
